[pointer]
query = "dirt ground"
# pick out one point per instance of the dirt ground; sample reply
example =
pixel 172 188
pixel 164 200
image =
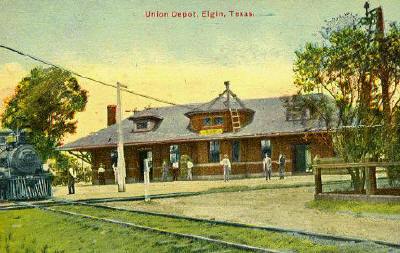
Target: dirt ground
pixel 275 207
pixel 270 207
pixel 137 189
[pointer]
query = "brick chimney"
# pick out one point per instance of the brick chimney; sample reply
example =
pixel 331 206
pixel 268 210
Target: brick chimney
pixel 111 114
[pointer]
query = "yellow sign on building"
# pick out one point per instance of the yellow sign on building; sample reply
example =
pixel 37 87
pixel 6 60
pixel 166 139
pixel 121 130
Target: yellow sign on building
pixel 211 131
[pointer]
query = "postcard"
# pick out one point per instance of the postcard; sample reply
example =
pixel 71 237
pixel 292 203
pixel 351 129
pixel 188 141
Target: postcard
pixel 200 126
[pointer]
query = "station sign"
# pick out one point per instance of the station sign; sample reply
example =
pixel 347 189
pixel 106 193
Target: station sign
pixel 211 131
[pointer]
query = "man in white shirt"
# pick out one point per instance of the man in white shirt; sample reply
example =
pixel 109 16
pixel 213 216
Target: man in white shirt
pixel 267 167
pixel 146 178
pixel 115 169
pixel 282 162
pixel 175 170
pixel 189 165
pixel 101 172
pixel 226 164
pixel 71 180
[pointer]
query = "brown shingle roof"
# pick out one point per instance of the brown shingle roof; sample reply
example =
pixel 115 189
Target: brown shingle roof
pixel 269 119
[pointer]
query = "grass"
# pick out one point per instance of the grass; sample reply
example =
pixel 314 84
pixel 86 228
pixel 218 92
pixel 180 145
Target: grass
pixel 258 238
pixel 356 207
pixel 38 231
pixel 242 188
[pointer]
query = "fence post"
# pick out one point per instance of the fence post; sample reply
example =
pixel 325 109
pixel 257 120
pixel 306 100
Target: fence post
pixel 318 180
pixel 371 180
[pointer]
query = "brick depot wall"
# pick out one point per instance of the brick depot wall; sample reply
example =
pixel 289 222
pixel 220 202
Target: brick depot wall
pixel 250 163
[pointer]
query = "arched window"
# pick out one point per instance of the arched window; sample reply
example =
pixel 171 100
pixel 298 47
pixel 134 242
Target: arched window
pixel 236 151
pixel 214 152
pixel 266 148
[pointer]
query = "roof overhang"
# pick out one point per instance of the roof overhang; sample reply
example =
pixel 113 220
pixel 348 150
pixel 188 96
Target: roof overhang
pixel 193 139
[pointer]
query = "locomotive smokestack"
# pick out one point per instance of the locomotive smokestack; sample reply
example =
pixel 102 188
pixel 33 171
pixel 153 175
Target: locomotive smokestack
pixel 111 114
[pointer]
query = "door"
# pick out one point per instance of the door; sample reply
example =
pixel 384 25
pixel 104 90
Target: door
pixel 143 154
pixel 302 157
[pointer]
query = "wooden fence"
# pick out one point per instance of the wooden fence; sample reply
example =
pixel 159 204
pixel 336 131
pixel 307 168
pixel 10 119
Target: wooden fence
pixel 333 164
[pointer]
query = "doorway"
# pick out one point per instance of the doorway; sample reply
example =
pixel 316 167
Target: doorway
pixel 143 154
pixel 302 158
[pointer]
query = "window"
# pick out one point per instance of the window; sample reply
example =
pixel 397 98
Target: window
pixel 174 153
pixel 218 121
pixel 214 152
pixel 266 148
pixel 141 125
pixel 213 121
pixel 236 151
pixel 207 121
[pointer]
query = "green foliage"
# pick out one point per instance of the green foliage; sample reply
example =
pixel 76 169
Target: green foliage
pixel 45 101
pixel 252 237
pixel 394 171
pixel 61 166
pixel 356 75
pixel 38 231
pixel 355 207
pixel 183 164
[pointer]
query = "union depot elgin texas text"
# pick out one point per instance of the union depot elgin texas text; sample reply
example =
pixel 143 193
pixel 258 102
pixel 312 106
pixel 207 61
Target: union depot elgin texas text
pixel 245 130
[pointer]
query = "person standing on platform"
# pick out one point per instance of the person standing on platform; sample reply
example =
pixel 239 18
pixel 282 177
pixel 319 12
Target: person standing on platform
pixel 189 165
pixel 101 171
pixel 146 178
pixel 267 166
pixel 175 170
pixel 226 164
pixel 165 171
pixel 282 163
pixel 71 180
pixel 115 169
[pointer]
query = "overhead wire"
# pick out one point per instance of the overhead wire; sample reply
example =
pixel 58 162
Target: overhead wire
pixel 38 59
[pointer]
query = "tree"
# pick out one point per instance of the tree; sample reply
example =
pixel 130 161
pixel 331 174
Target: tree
pixel 60 166
pixel 358 69
pixel 46 102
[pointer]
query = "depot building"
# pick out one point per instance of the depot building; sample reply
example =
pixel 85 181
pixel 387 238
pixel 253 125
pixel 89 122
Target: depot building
pixel 245 130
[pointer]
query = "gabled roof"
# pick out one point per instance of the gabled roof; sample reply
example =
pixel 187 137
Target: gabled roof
pixel 225 101
pixel 269 119
pixel 145 114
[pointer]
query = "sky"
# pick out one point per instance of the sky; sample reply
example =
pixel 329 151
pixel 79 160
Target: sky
pixel 183 60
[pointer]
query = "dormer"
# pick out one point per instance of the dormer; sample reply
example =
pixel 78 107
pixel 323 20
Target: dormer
pixel 225 113
pixel 146 120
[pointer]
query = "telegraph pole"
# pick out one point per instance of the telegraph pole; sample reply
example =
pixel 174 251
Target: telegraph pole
pixel 121 158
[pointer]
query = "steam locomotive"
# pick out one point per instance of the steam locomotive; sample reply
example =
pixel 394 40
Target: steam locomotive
pixel 21 171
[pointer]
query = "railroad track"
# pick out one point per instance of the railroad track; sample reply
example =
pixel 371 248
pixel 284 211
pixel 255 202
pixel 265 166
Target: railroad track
pixel 234 245
pixel 95 204
pixel 160 196
pixel 166 195
pixel 62 208
pixel 241 225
